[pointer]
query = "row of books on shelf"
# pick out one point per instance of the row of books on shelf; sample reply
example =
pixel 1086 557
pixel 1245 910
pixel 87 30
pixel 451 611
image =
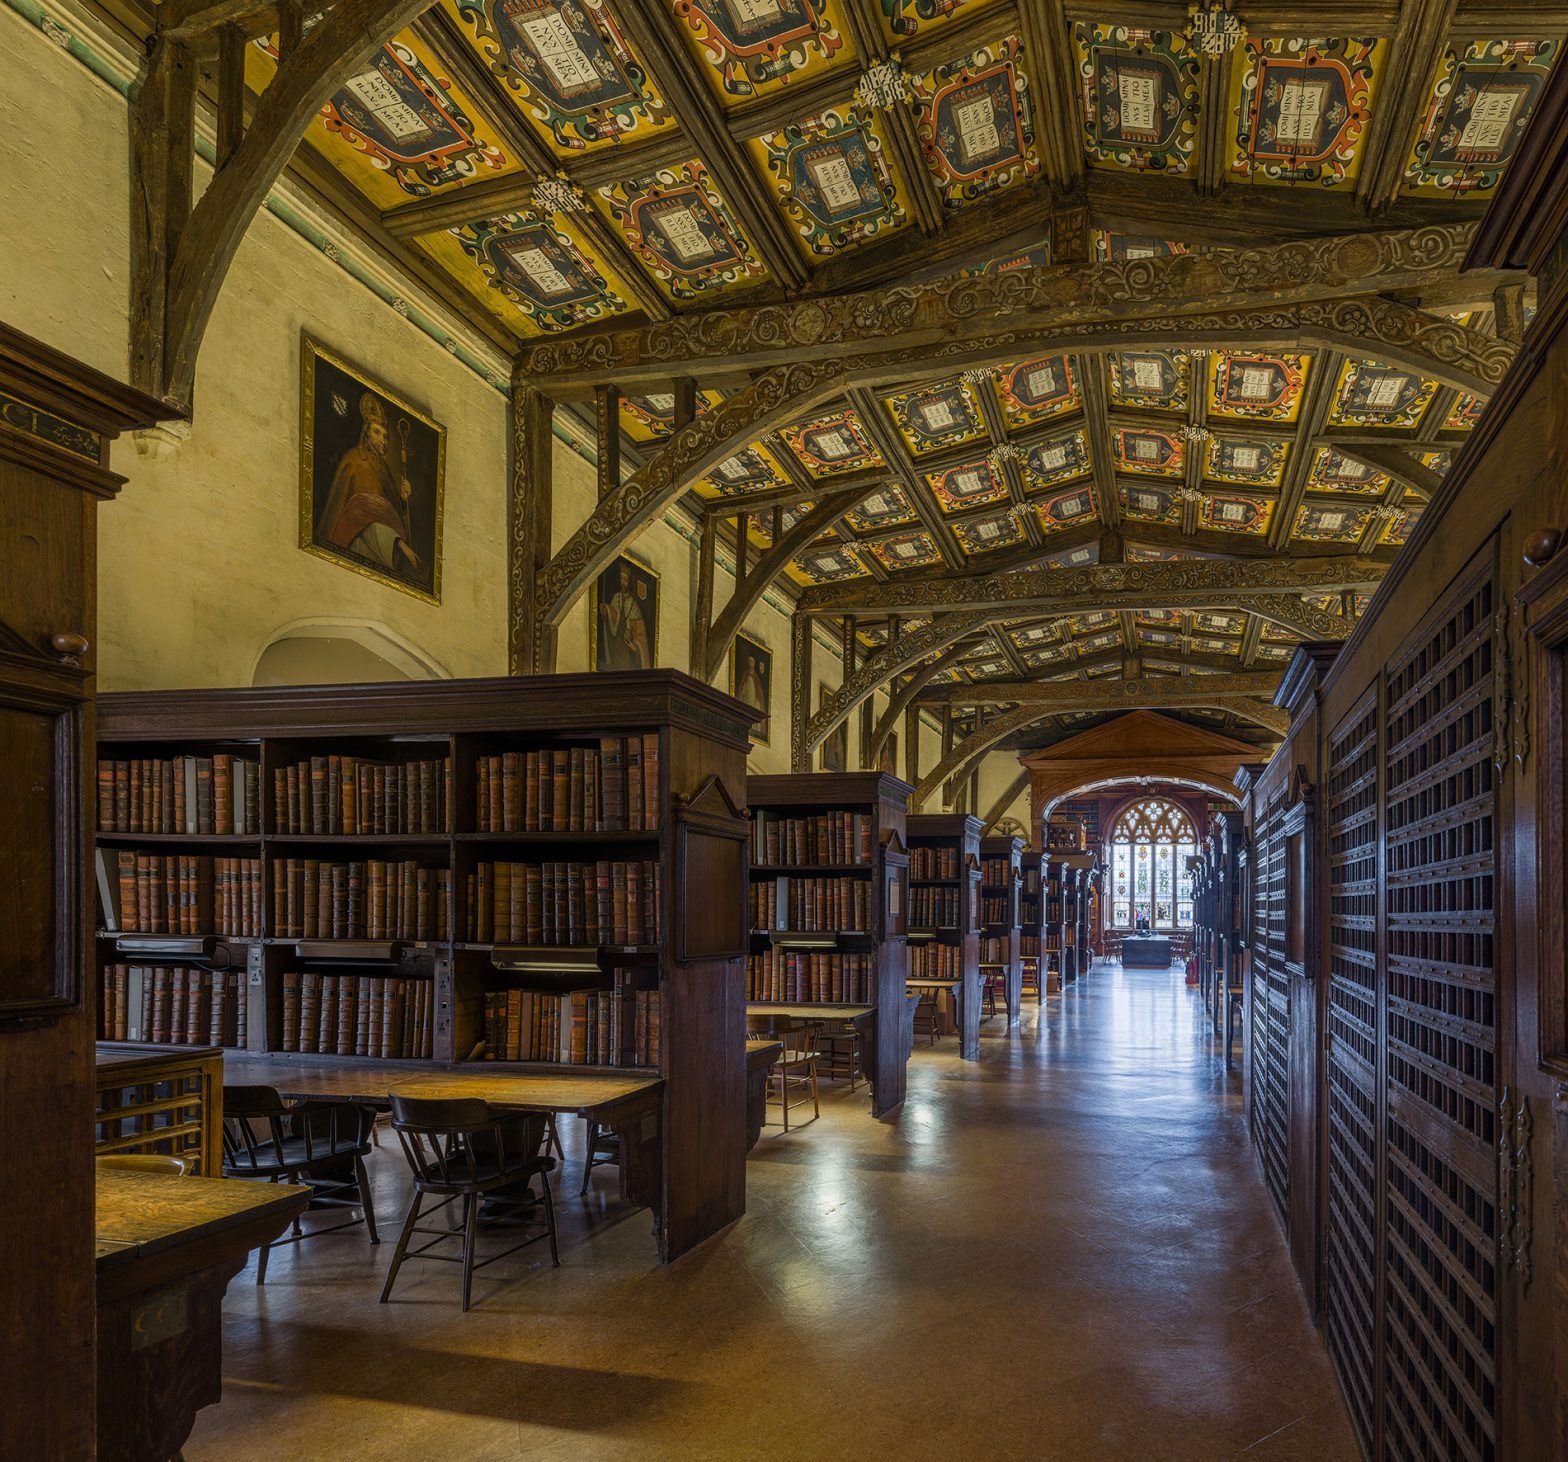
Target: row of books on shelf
pixel 824 837
pixel 611 786
pixel 844 979
pixel 316 899
pixel 934 863
pixel 614 1027
pixel 815 904
pixel 995 950
pixel 178 893
pixel 357 1015
pixel 1029 945
pixel 995 870
pixel 327 796
pixel 935 962
pixel 607 902
pixel 996 909
pixel 932 907
pixel 171 1005
pixel 184 795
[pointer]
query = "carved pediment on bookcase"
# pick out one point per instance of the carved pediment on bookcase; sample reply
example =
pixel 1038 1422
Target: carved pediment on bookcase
pixel 63 654
pixel 711 799
pixel 893 845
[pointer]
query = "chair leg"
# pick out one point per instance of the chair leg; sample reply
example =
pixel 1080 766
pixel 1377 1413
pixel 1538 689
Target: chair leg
pixel 364 1198
pixel 402 1245
pixel 592 1128
pixel 549 1218
pixel 470 1232
pixel 261 1263
pixel 816 1108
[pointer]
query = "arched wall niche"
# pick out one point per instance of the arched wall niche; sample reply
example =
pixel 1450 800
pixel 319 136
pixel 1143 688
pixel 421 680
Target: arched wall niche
pixel 341 652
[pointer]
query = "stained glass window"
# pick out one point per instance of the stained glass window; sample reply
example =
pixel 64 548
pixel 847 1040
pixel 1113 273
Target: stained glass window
pixel 1149 848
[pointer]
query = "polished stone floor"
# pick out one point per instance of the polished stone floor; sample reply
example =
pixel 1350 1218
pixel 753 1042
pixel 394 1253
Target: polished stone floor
pixel 1061 1251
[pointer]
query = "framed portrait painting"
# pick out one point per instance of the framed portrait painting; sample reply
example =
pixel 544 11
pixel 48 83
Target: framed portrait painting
pixel 372 474
pixel 751 680
pixel 625 625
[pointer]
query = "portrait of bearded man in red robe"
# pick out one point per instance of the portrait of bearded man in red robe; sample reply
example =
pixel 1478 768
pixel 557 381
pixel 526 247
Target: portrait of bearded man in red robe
pixel 372 479
pixel 366 511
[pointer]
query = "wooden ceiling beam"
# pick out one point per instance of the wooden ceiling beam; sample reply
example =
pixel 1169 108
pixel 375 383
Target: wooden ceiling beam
pixel 1031 692
pixel 1021 592
pixel 1062 301
pixel 702 119
pixel 1095 393
pixel 1186 692
pixel 1399 465
pixel 1052 65
pixel 1316 402
pixel 895 451
pixel 1169 207
pixel 1414 55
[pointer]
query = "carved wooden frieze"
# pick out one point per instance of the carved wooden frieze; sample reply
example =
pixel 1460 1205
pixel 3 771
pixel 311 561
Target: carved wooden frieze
pixel 923 315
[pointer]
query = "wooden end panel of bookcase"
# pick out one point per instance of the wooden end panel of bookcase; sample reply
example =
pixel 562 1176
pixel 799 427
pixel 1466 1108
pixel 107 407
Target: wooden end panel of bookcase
pixel 704 1051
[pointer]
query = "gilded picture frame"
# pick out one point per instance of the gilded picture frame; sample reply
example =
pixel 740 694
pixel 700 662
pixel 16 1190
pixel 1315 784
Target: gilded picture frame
pixel 751 681
pixel 623 631
pixel 372 476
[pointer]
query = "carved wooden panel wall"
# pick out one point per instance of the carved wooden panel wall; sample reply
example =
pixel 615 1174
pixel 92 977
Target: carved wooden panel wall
pixel 1350 1233
pixel 1270 996
pixel 1440 1167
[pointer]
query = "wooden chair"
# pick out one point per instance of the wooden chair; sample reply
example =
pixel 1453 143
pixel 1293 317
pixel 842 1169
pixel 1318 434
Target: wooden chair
pixel 603 1150
pixel 928 1019
pixel 797 1068
pixel 320 1144
pixel 839 1056
pixel 989 986
pixel 458 1150
pixel 146 1162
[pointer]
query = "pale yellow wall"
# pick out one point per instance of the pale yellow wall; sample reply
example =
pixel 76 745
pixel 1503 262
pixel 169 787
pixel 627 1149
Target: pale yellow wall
pixel 200 568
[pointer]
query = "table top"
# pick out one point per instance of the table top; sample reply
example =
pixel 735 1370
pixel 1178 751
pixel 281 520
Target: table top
pixel 815 1010
pixel 932 984
pixel 138 1214
pixel 109 1055
pixel 585 1093
pixel 757 1049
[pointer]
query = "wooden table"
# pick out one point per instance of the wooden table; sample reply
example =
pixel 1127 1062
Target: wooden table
pixel 946 1010
pixel 761 1057
pixel 863 1018
pixel 160 1100
pixel 631 1104
pixel 167 1249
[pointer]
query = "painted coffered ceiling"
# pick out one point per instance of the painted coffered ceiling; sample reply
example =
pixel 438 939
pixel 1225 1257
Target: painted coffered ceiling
pixel 555 169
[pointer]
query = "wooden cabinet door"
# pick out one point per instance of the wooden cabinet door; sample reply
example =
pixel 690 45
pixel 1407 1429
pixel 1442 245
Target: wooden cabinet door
pixel 40 841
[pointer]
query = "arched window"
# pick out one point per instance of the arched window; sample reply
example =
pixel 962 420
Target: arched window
pixel 1149 848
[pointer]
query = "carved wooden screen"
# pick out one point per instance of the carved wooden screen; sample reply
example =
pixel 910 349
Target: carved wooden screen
pixel 1271 1008
pixel 1350 1234
pixel 1440 1255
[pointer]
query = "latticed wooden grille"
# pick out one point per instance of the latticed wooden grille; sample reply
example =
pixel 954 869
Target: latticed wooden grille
pixel 1271 1007
pixel 1440 1258
pixel 1350 1235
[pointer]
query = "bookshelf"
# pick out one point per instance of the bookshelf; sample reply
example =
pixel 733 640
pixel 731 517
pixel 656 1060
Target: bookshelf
pixel 1072 873
pixel 829 899
pixel 1001 880
pixel 1031 924
pixel 1217 916
pixel 535 875
pixel 1051 927
pixel 944 911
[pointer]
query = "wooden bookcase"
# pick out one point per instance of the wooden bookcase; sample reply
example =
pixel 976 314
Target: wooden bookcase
pixel 1217 917
pixel 669 997
pixel 949 844
pixel 1073 873
pixel 1051 979
pixel 1001 888
pixel 864 862
pixel 1031 924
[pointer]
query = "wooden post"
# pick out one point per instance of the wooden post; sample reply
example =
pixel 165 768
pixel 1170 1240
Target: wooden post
pixel 702 611
pixel 912 744
pixel 607 423
pixel 533 641
pixel 231 91
pixel 163 112
pixel 800 690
